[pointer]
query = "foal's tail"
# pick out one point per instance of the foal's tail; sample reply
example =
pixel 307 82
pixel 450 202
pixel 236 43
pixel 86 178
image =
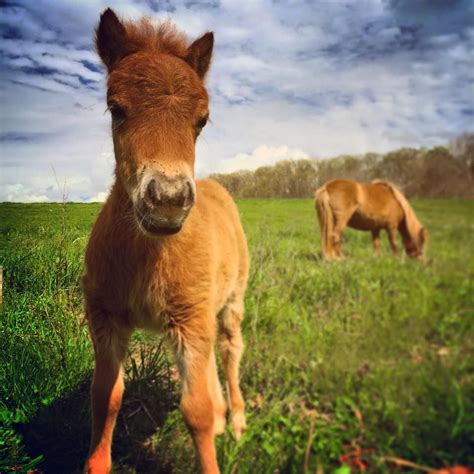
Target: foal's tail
pixel 326 221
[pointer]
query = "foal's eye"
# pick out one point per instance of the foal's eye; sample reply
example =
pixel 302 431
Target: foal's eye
pixel 117 111
pixel 201 124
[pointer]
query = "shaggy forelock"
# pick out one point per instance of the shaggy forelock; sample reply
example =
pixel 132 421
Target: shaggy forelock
pixel 162 38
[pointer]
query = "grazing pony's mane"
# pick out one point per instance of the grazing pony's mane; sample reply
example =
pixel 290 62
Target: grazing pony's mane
pixel 413 225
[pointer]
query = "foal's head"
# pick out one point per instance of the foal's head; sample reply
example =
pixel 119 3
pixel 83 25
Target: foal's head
pixel 159 106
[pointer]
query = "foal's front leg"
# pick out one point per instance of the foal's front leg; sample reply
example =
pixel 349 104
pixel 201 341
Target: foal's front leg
pixel 197 369
pixel 110 346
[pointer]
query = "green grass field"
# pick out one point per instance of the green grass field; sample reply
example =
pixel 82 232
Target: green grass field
pixel 365 355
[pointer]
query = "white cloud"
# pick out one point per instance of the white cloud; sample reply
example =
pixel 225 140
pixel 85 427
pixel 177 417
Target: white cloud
pixel 263 155
pixel 99 197
pixel 321 81
pixel 19 193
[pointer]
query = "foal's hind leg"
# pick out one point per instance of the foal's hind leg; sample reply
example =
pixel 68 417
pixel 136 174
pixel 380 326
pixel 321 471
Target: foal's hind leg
pixel 220 406
pixel 231 347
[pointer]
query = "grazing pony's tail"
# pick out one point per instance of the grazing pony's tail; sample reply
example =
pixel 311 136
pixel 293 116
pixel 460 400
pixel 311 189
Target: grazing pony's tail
pixel 326 221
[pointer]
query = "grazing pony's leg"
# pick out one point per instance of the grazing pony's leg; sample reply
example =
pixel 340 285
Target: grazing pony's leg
pixel 342 218
pixel 326 222
pixel 194 350
pixel 336 238
pixel 110 346
pixel 392 238
pixel 376 241
pixel 231 347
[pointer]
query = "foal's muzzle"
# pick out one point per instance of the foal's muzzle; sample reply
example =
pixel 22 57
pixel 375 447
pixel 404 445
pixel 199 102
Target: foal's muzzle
pixel 165 204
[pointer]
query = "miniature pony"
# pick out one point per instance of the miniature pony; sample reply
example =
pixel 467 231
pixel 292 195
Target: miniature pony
pixel 167 253
pixel 371 207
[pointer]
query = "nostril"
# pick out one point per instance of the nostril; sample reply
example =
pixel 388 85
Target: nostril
pixel 188 194
pixel 165 192
pixel 152 195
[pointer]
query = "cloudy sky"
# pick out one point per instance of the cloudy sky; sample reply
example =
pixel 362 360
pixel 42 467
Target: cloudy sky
pixel 290 79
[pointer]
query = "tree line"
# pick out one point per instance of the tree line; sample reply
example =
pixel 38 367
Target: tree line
pixel 439 172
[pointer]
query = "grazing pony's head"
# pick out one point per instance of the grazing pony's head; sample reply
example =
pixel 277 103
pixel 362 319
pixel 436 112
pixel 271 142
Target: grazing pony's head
pixel 414 239
pixel 159 105
pixel 414 235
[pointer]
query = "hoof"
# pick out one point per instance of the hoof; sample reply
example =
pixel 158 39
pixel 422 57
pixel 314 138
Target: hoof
pixel 98 465
pixel 219 424
pixel 239 424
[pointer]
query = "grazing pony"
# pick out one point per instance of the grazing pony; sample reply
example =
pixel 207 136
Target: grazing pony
pixel 375 206
pixel 167 253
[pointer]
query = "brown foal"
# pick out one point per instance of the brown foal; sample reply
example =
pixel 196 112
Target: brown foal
pixel 167 253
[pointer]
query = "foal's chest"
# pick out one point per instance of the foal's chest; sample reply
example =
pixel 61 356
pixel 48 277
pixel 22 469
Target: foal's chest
pixel 164 294
pixel 150 301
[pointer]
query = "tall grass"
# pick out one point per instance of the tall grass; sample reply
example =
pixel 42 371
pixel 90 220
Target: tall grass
pixel 346 362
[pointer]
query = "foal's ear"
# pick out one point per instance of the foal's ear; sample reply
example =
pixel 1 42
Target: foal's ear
pixel 199 54
pixel 111 39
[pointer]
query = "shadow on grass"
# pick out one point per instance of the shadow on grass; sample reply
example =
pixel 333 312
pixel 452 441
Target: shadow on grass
pixel 60 432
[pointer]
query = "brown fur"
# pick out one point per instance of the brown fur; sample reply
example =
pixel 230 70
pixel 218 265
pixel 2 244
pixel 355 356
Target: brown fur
pixel 189 285
pixel 371 207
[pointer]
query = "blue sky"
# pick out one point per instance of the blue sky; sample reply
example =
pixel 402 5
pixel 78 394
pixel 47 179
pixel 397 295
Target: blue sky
pixel 289 79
